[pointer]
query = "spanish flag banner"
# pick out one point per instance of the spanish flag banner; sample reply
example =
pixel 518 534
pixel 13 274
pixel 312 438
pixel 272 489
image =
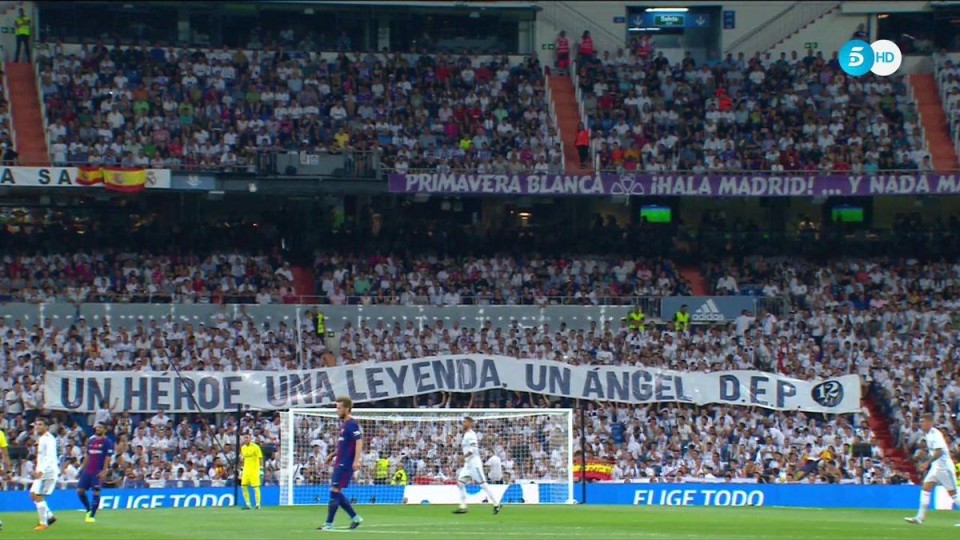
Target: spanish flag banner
pixel 597 470
pixel 88 176
pixel 126 180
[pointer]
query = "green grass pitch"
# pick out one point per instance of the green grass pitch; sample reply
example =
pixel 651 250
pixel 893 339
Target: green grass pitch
pixel 529 522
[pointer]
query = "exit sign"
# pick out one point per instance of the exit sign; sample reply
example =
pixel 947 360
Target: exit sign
pixel 668 20
pixel 811 45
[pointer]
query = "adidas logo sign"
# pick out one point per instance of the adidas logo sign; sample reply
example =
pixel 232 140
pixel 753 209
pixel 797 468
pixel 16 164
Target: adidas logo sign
pixel 708 312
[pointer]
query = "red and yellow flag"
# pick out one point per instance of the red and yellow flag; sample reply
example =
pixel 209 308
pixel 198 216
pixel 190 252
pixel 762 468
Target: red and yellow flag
pixel 597 469
pixel 126 180
pixel 88 176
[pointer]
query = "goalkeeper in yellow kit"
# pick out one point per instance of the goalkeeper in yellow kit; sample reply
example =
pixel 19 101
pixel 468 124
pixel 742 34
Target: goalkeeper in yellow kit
pixel 252 464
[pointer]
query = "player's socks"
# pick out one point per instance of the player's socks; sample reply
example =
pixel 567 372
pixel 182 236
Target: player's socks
pixel 490 496
pixel 345 504
pixel 42 512
pixel 333 506
pixel 256 495
pixel 246 497
pixel 924 503
pixel 84 500
pixel 463 494
pixel 95 506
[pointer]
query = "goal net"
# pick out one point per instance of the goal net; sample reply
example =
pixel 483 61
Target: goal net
pixel 527 455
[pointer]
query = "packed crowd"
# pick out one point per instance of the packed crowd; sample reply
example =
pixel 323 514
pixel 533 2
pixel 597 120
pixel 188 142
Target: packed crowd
pixel 919 292
pixel 108 276
pixel 495 280
pixel 833 333
pixel 771 114
pixel 164 107
pixel 735 444
pixel 947 73
pixel 160 275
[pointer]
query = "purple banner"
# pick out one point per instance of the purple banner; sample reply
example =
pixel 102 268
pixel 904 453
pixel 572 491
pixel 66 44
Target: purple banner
pixel 645 185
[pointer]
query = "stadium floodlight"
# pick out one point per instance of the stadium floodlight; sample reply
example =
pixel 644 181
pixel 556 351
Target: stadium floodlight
pixel 667 10
pixel 527 455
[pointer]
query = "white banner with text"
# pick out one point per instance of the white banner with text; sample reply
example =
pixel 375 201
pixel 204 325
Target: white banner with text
pixel 82 391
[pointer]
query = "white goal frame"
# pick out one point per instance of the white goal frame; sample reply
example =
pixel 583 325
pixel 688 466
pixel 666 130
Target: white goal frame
pixel 287 476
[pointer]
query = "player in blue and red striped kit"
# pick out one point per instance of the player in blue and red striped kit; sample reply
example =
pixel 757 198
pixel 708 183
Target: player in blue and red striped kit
pixel 95 465
pixel 349 448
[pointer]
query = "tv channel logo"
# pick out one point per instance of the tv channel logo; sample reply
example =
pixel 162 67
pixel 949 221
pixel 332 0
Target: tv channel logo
pixel 882 57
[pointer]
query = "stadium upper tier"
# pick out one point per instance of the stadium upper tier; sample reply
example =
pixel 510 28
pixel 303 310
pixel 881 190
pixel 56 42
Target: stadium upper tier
pixel 758 114
pixel 218 109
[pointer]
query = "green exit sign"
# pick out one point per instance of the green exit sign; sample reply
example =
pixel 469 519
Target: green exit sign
pixel 668 20
pixel 811 45
pixel 548 46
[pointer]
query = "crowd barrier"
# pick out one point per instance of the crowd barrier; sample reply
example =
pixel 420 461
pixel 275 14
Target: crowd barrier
pixel 903 497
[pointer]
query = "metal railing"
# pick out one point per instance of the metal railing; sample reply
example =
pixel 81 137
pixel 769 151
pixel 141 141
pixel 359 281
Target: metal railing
pixel 337 316
pixel 552 109
pixel 780 26
pixel 650 305
pixel 953 117
pixel 6 98
pixel 911 95
pixel 43 111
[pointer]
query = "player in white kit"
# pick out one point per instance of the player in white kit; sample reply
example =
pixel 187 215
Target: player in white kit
pixel 472 469
pixel 45 474
pixel 941 469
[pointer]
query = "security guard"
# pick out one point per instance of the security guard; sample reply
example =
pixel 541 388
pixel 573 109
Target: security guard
pixel 381 472
pixel 636 319
pixel 321 324
pixel 399 477
pixel 682 319
pixel 24 26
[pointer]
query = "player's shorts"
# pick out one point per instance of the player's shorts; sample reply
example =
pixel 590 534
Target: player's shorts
pixel 942 477
pixel 89 481
pixel 472 472
pixel 250 479
pixel 341 477
pixel 43 486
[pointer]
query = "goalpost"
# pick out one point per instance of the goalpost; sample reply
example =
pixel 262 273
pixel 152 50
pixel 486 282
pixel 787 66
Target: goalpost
pixel 534 448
